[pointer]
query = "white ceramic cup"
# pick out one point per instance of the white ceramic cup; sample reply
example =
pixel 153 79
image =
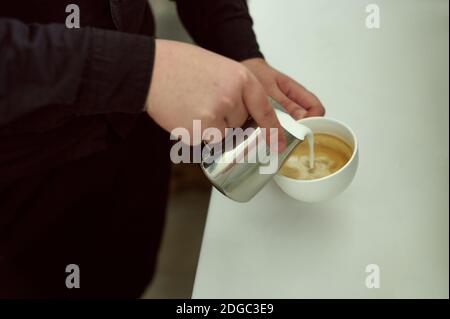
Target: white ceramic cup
pixel 327 187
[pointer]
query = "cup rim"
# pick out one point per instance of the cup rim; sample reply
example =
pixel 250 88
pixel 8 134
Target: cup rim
pixel 355 150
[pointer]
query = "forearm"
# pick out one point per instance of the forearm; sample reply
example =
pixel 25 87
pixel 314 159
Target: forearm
pixel 89 70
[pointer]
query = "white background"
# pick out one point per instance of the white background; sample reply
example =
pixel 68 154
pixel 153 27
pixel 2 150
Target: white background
pixel 391 86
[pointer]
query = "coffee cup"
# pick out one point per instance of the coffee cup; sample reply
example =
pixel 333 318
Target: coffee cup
pixel 326 187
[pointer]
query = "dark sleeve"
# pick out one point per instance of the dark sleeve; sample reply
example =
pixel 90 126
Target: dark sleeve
pixel 86 71
pixel 222 26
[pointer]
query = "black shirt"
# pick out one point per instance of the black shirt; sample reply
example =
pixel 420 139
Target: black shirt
pixel 67 93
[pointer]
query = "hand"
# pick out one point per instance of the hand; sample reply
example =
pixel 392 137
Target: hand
pixel 295 98
pixel 190 83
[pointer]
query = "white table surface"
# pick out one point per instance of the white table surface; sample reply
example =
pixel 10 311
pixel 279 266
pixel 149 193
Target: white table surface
pixel 391 86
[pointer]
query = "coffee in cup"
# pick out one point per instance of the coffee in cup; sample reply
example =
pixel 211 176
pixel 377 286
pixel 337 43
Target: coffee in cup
pixel 330 154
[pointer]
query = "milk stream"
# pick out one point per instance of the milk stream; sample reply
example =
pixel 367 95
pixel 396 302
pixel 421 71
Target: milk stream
pixel 310 139
pixel 299 131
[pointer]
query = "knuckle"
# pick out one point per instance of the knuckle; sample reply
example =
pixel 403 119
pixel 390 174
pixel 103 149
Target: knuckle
pixel 209 116
pixel 226 102
pixel 243 75
pixel 287 104
pixel 267 116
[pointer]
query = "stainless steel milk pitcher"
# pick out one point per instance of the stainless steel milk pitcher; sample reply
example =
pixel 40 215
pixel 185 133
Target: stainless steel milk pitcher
pixel 241 181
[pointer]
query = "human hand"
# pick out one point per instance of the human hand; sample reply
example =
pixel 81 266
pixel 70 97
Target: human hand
pixel 295 98
pixel 190 83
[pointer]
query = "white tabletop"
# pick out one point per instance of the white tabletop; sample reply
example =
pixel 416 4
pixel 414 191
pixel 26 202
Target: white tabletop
pixel 391 86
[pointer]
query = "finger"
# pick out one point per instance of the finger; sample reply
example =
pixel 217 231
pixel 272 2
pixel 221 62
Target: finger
pixel 258 106
pixel 295 110
pixel 300 95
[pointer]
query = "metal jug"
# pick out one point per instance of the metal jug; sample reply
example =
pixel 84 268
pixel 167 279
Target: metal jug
pixel 241 181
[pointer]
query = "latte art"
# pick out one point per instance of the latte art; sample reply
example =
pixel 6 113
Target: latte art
pixel 330 155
